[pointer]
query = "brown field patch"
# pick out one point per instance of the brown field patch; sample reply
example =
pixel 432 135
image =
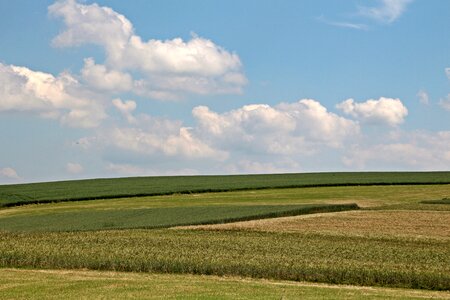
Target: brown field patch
pixel 419 224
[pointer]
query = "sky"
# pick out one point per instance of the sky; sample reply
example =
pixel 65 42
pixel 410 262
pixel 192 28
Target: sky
pixel 116 88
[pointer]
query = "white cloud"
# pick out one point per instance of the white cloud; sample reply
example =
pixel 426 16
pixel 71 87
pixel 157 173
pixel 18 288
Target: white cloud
pixel 90 24
pixel 410 150
pixel 8 173
pixel 232 139
pixel 351 25
pixel 256 167
pixel 61 97
pixel 259 138
pixel 99 77
pixel 382 111
pixel 168 68
pixel 445 103
pixel 286 128
pixel 133 170
pixel 125 108
pixel 74 168
pixel 387 12
pixel 423 97
pixel 166 142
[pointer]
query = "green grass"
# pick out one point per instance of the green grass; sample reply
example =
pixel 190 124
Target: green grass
pixel 379 197
pixel 407 263
pixel 73 284
pixel 440 201
pixel 139 186
pixel 157 217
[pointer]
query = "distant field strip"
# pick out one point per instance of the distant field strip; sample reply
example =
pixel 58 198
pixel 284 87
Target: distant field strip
pixel 440 201
pixel 11 195
pixel 157 217
pixel 373 197
pixel 286 256
pixel 82 284
pixel 394 224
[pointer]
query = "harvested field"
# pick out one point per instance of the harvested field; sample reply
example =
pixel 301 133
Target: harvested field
pixel 414 224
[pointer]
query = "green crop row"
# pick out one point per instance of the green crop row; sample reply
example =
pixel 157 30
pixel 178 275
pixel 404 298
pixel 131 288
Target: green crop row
pixel 288 256
pixel 440 201
pixel 162 217
pixel 11 195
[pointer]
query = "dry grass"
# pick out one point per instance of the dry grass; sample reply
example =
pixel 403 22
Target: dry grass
pixel 417 224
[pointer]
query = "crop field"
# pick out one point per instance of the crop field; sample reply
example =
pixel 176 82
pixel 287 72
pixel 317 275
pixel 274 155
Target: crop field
pixel 76 284
pixel 386 223
pixel 11 195
pixel 158 217
pixel 385 236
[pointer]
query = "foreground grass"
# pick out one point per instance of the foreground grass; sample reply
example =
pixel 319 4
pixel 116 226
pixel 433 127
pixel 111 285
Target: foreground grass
pixel 407 263
pixel 71 284
pixel 161 217
pixel 139 186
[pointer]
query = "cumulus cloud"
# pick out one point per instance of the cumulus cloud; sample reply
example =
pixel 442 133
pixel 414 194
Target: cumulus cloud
pixel 8 173
pixel 423 97
pixel 125 108
pixel 258 138
pixel 90 24
pixel 412 150
pixel 181 144
pixel 230 139
pixel 387 12
pixel 99 77
pixel 445 103
pixel 167 68
pixel 61 98
pixel 286 128
pixel 155 137
pixel 382 111
pixel 74 168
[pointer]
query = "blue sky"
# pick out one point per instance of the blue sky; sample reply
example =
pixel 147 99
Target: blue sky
pixel 124 88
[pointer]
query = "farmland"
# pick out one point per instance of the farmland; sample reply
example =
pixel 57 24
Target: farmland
pixel 390 235
pixel 76 284
pixel 158 217
pixel 11 195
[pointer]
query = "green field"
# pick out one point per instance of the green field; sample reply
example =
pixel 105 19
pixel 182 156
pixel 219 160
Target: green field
pixel 149 186
pixel 162 217
pixel 400 236
pixel 75 284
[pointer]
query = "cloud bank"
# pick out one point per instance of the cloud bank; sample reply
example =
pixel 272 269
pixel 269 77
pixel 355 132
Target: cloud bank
pixel 166 68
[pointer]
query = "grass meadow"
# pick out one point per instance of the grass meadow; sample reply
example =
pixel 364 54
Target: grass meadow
pixel 385 236
pixel 82 284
